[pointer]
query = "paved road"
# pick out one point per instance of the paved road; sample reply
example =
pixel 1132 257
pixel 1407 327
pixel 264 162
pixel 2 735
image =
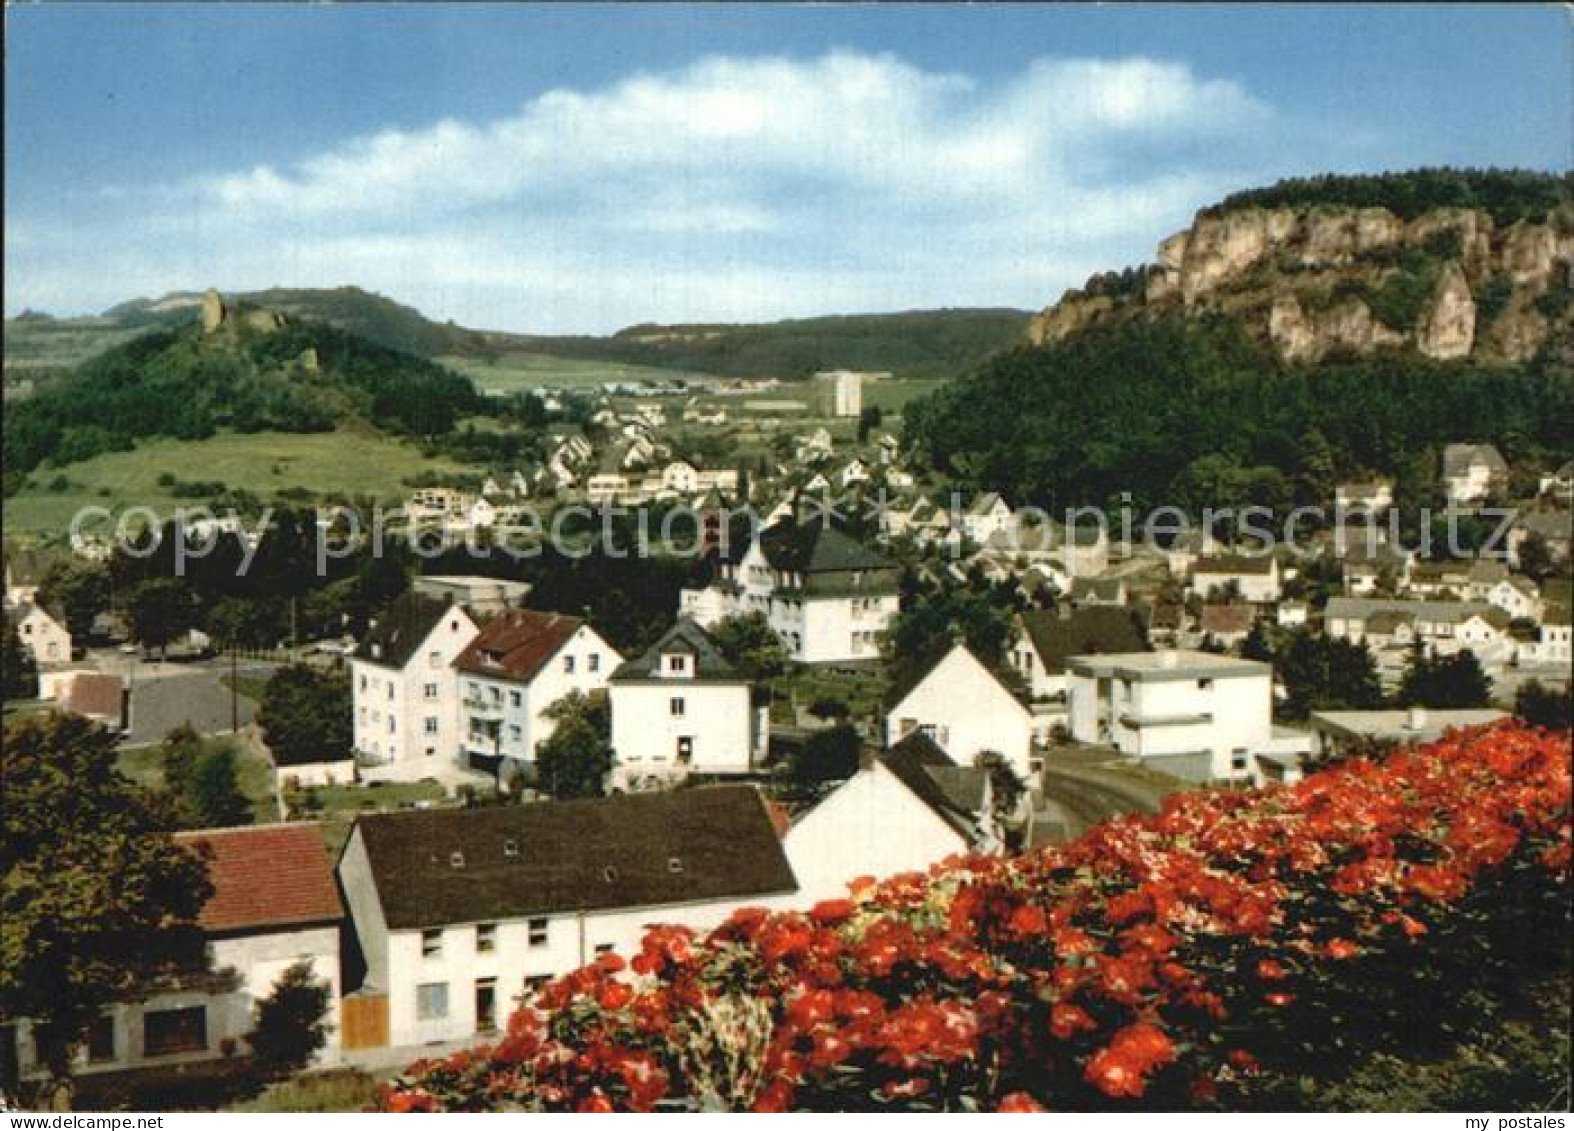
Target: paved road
pixel 185 693
pixel 1089 786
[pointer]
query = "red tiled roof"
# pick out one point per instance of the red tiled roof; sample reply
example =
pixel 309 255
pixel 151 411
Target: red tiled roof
pixel 517 644
pixel 266 876
pixel 93 694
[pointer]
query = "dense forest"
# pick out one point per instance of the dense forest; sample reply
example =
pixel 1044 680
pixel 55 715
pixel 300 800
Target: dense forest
pixel 1195 412
pixel 931 343
pixel 1509 195
pixel 302 377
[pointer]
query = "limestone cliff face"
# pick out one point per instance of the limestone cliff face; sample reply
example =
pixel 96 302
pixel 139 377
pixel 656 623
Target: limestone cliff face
pixel 1328 280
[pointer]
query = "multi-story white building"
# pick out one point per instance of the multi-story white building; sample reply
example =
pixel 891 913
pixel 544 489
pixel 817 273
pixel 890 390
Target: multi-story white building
pixel 461 912
pixel 274 904
pixel 682 709
pixel 405 695
pixel 965 709
pixel 1195 715
pixel 827 596
pixel 518 666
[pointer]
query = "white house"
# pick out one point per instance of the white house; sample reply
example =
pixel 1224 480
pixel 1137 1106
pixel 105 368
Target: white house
pixel 43 636
pixel 518 666
pixel 905 811
pixel 965 709
pixel 405 695
pixel 1371 498
pixel 461 912
pixel 1254 576
pixel 1195 715
pixel 1336 730
pixel 681 708
pixel 274 904
pixel 827 596
pixel 987 514
pixel 1555 640
pixel 1050 637
pixel 1443 627
pixel 1471 472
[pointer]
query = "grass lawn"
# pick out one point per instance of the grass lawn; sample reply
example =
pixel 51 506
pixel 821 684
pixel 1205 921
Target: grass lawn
pixel 254 774
pixel 339 1089
pixel 893 395
pixel 338 805
pixel 352 462
pixel 516 372
pixel 250 686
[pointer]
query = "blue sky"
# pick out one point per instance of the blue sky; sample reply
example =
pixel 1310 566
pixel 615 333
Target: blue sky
pixel 580 168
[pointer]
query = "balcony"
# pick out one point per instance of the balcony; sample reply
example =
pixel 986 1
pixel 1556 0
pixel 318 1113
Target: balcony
pixel 483 708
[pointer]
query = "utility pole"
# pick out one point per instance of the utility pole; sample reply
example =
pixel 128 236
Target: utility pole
pixel 234 691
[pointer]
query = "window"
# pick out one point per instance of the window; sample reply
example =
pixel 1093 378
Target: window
pixel 167 1031
pixel 534 983
pixel 392 726
pixel 430 724
pixel 101 1040
pixel 594 662
pixel 429 690
pixel 510 848
pixel 434 659
pixel 603 948
pixel 685 749
pixel 677 664
pixel 676 705
pixel 363 681
pixel 390 690
pixel 515 731
pixel 1205 685
pixel 485 1005
pixel 486 937
pixel 1238 763
pixel 515 699
pixel 536 932
pixel 431 1001
pixel 432 943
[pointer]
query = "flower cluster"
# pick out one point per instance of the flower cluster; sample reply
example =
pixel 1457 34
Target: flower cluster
pixel 1158 958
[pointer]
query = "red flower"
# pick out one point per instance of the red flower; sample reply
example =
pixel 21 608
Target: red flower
pixel 1019 1102
pixel 1341 949
pixel 1066 1021
pixel 1028 921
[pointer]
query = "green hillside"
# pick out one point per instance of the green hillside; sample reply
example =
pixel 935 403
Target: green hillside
pixel 183 383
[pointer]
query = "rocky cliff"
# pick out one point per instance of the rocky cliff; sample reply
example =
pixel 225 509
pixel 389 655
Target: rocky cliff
pixel 1321 279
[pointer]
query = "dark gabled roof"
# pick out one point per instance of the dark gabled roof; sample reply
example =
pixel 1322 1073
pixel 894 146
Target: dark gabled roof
pixel 440 866
pixel 401 628
pixel 689 638
pixel 955 793
pixel 1101 588
pixel 1457 458
pixel 1234 563
pixel 517 644
pixel 1083 632
pixel 266 876
pixel 1227 618
pixel 814 547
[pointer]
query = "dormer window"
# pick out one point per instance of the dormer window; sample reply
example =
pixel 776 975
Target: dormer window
pixel 610 874
pixel 456 859
pixel 675 664
pixel 510 848
pixel 675 865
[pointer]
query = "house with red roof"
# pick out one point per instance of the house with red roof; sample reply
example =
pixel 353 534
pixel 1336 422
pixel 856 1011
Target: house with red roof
pixel 518 666
pixel 275 902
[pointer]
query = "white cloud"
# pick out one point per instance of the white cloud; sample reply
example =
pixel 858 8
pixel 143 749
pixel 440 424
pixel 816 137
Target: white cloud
pixel 736 188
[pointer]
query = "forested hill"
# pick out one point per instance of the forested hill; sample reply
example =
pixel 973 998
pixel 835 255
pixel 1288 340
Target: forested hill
pixel 254 370
pixel 1198 412
pixel 923 343
pixel 929 343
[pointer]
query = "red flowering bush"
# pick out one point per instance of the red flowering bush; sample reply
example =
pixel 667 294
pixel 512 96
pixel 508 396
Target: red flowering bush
pixel 1168 959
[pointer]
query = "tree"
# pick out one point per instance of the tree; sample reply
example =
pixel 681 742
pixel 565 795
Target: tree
pixel 161 609
pixel 868 420
pixel 99 901
pixel 751 645
pixel 1535 557
pixel 1320 673
pixel 202 780
pixel 305 715
pixel 576 758
pixel 1456 681
pixel 1544 706
pixel 81 589
pixel 291 1022
pixel 828 755
pixel 18 671
pixel 828 708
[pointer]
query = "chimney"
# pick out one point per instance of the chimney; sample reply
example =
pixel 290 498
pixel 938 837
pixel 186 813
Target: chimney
pixel 1415 718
